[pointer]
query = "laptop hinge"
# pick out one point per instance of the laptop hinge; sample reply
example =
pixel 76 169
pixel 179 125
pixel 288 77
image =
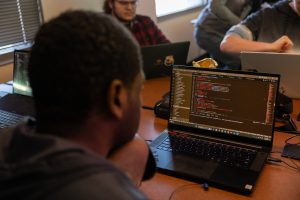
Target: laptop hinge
pixel 225 141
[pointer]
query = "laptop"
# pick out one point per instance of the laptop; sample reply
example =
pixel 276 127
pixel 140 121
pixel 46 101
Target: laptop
pixel 219 131
pixel 14 107
pixel 285 64
pixel 159 59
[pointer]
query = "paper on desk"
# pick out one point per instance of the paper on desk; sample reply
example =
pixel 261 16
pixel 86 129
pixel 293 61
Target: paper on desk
pixel 5 88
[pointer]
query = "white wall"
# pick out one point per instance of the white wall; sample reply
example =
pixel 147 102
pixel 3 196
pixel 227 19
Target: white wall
pixel 176 27
pixel 52 8
pixel 179 28
pixel 147 7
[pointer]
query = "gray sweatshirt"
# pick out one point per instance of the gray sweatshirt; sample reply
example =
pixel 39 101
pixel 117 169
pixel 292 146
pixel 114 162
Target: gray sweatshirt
pixel 40 166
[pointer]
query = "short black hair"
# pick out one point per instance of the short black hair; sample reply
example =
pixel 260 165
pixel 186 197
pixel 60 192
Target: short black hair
pixel 74 59
pixel 106 7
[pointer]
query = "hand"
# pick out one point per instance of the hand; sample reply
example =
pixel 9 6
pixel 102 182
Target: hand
pixel 283 44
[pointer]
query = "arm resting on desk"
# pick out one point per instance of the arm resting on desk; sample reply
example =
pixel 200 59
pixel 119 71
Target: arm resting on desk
pixel 135 159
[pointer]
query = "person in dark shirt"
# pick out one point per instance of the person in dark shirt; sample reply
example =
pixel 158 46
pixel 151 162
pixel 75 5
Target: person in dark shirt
pixel 142 27
pixel 216 19
pixel 274 29
pixel 86 77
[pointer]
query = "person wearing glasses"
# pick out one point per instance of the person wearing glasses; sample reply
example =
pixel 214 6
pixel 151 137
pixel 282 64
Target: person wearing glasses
pixel 142 27
pixel 274 29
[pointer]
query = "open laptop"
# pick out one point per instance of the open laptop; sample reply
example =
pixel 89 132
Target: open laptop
pixel 13 107
pixel 285 64
pixel 219 131
pixel 159 59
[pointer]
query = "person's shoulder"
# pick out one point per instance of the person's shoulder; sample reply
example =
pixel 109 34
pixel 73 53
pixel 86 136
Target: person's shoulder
pixel 9 133
pixel 93 177
pixel 138 16
pixel 104 185
pixel 280 6
pixel 278 10
pixel 281 3
pixel 143 18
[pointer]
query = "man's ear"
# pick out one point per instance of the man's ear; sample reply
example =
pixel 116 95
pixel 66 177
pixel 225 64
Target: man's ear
pixel 117 98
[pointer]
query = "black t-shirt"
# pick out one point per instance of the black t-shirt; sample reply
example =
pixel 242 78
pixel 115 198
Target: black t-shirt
pixel 271 23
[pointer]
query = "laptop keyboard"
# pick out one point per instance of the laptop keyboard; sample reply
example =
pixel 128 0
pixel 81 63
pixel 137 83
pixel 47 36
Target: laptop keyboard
pixel 222 153
pixel 8 119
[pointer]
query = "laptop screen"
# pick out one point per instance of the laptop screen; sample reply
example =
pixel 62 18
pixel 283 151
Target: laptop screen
pixel 225 102
pixel 20 77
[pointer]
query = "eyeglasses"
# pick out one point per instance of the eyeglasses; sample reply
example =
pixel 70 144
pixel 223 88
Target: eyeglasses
pixel 127 3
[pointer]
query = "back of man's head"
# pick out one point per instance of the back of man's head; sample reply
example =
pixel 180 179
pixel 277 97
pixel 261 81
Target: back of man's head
pixel 74 59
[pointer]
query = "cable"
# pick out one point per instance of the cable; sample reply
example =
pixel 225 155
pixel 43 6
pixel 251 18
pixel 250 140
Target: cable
pixel 295 168
pixel 282 131
pixel 291 146
pixel 295 163
pixel 289 125
pixel 294 136
pixel 148 107
pixel 278 160
pixel 272 159
pixel 205 185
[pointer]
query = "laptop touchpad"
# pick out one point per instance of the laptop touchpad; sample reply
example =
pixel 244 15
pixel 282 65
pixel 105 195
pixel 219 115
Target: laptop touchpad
pixel 192 166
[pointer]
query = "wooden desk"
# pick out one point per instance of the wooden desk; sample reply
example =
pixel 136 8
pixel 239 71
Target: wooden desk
pixel 277 181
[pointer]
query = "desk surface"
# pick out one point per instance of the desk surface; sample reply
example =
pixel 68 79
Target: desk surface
pixel 277 181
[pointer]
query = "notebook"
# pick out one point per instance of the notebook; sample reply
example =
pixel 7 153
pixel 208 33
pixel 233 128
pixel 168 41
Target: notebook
pixel 285 64
pixel 13 107
pixel 159 59
pixel 220 128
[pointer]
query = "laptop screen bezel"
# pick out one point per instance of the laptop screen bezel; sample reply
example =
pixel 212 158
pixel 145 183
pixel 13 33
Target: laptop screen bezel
pixel 209 133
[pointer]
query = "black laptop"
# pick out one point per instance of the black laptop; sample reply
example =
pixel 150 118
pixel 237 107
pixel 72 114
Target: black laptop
pixel 220 129
pixel 14 107
pixel 159 59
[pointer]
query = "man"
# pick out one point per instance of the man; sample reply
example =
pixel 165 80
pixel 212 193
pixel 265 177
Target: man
pixel 274 29
pixel 142 27
pixel 215 20
pixel 86 77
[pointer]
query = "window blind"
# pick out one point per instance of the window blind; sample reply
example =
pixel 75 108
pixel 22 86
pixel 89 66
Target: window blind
pixel 19 21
